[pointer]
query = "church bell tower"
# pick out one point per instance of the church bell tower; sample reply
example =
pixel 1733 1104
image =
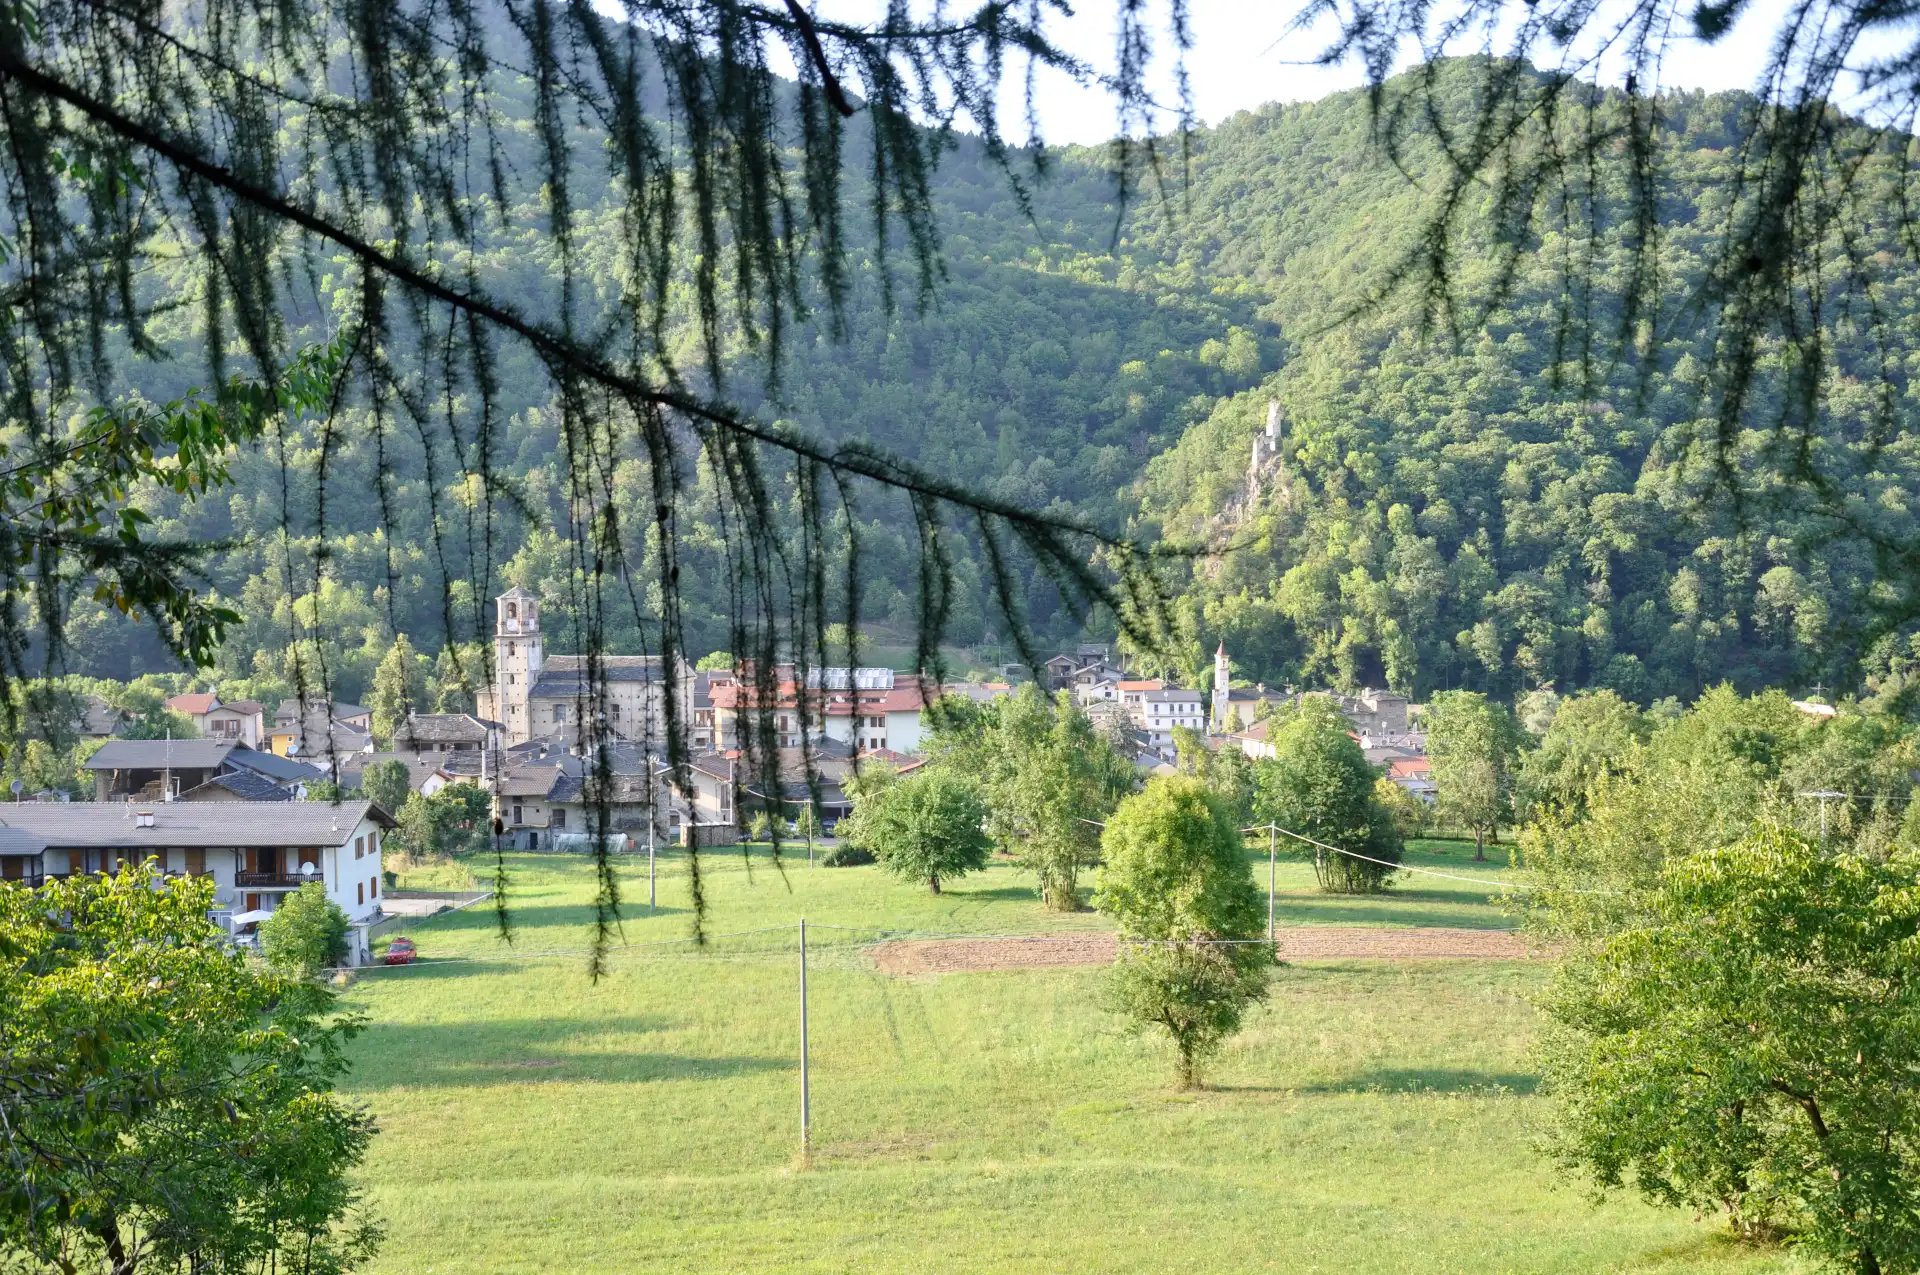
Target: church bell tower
pixel 517 657
pixel 1222 694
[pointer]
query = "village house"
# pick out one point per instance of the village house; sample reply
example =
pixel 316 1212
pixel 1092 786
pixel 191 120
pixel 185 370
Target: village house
pixel 1087 663
pixel 164 769
pixel 242 720
pixel 322 730
pixel 427 773
pixel 1164 710
pixel 97 719
pixel 867 708
pixel 445 733
pixel 978 692
pixel 256 854
pixel 701 736
pixel 714 819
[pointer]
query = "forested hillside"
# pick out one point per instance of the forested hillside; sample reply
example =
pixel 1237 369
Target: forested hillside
pixel 1445 513
pixel 1515 507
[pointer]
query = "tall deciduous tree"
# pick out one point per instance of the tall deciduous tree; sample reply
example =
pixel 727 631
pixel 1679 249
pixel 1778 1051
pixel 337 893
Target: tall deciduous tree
pixel 306 934
pixel 1318 784
pixel 167 1104
pixel 1474 747
pixel 1177 883
pixel 1586 737
pixel 1748 1044
pixel 388 784
pixel 1049 779
pixel 399 688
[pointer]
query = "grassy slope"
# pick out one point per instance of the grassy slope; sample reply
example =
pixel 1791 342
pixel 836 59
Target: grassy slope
pixel 1370 1118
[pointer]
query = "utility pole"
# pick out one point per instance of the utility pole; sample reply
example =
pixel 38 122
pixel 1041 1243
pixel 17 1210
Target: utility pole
pixel 650 893
pixel 1822 796
pixel 806 1096
pixel 1272 840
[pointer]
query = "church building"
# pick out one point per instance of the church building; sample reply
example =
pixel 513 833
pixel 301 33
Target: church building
pixel 535 695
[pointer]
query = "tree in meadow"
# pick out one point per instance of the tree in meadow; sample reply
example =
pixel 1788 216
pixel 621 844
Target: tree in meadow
pixel 1176 880
pixel 1318 784
pixel 1050 780
pixel 1744 1042
pixel 1473 745
pixel 928 827
pixel 306 934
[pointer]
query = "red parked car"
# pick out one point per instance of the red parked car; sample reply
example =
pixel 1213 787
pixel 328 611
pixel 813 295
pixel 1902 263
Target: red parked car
pixel 400 952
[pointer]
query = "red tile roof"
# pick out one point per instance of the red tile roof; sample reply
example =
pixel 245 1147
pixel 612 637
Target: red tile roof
pixel 194 705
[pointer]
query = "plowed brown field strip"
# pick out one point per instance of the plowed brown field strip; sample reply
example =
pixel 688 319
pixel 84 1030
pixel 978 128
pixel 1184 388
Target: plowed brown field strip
pixel 1308 943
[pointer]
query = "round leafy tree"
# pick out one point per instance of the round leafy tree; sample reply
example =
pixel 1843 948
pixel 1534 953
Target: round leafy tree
pixel 928 827
pixel 167 1103
pixel 1176 882
pixel 1318 784
pixel 1746 1043
pixel 306 933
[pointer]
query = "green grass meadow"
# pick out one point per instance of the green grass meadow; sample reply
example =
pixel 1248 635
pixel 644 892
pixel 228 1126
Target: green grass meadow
pixel 1373 1116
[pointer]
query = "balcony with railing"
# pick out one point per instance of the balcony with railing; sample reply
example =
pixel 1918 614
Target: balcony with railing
pixel 274 880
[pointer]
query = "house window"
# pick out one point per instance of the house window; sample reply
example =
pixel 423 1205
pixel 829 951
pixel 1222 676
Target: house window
pixel 373 843
pixel 196 863
pixel 559 818
pixel 559 713
pixel 373 888
pixel 519 813
pixel 359 847
pixel 616 712
pixel 360 893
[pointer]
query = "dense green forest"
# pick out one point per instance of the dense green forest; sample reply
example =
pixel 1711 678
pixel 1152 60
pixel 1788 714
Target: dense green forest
pixel 1486 511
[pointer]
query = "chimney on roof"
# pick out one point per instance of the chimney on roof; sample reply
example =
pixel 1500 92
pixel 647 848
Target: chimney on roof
pixel 144 819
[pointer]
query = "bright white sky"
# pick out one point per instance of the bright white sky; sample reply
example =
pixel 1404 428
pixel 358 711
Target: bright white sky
pixel 1242 58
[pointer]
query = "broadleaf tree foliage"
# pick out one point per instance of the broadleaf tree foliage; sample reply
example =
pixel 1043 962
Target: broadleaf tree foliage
pixel 167 1104
pixel 1561 163
pixel 247 169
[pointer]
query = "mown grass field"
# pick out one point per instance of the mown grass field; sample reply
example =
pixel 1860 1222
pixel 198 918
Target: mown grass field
pixel 1373 1117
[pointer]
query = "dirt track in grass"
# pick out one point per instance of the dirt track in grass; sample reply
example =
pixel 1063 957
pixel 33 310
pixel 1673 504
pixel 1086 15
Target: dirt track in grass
pixel 1301 943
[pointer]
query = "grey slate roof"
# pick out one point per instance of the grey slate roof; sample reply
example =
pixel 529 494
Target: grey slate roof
pixel 318 710
pixel 1172 695
pixel 239 824
pixel 98 718
pixel 531 781
pixel 567 674
pixel 420 766
pixel 157 754
pixel 197 754
pixel 244 784
pixel 280 769
pixel 442 728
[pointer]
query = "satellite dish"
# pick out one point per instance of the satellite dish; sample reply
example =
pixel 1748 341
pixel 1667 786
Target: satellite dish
pixel 15 787
pixel 306 869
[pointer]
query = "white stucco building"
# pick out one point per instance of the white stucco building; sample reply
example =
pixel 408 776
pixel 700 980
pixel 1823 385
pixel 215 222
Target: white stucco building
pixel 255 852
